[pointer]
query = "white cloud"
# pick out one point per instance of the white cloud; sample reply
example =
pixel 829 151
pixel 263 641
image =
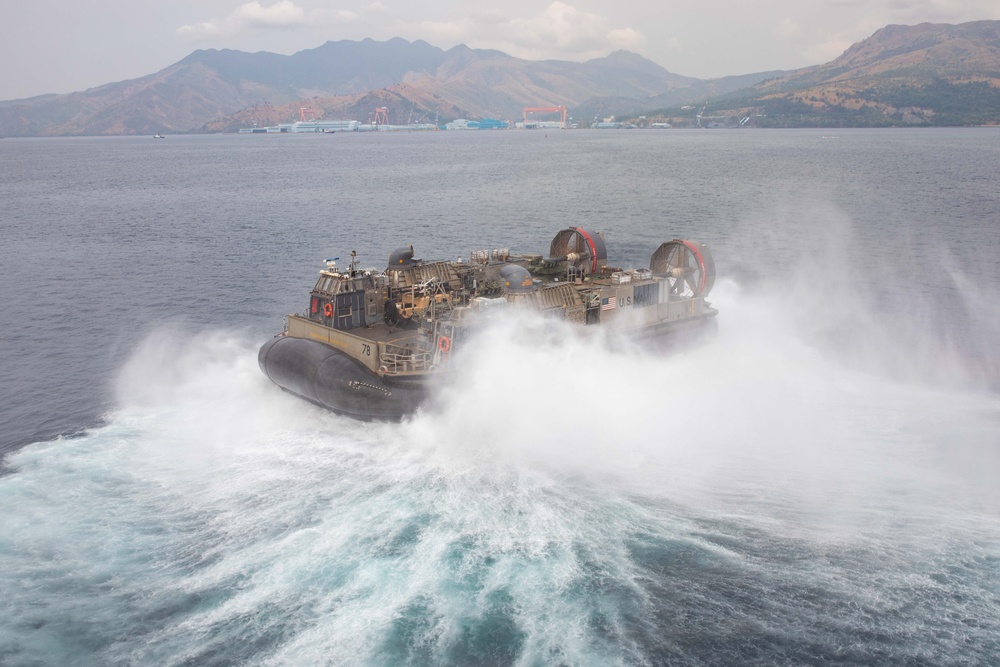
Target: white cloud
pixel 197 31
pixel 560 30
pixel 324 17
pixel 283 15
pixel 566 29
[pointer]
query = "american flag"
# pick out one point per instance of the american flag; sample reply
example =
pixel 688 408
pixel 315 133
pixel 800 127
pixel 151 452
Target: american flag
pixel 610 303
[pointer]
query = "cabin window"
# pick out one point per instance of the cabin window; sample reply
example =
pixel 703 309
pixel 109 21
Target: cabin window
pixel 314 306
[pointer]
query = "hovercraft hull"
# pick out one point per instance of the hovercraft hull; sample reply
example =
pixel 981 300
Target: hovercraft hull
pixel 376 345
pixel 333 380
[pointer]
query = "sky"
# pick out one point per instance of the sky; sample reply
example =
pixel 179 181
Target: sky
pixel 55 46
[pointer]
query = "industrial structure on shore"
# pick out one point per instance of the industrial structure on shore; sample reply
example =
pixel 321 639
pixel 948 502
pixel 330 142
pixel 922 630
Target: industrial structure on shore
pixel 535 123
pixel 531 120
pixel 307 126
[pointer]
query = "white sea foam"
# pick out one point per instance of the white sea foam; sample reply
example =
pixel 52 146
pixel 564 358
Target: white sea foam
pixel 543 507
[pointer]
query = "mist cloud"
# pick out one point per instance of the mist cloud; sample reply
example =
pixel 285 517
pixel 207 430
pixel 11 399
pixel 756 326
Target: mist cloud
pixel 283 15
pixel 560 30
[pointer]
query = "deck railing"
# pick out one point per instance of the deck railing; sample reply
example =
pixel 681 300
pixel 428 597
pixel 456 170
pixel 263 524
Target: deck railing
pixel 396 359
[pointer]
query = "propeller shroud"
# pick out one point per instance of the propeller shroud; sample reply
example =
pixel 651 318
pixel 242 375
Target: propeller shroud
pixel 686 265
pixel 582 248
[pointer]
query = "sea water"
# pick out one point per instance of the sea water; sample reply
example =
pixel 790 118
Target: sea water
pixel 816 484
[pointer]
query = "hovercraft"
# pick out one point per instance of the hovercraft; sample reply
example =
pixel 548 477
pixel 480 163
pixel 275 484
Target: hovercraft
pixel 372 344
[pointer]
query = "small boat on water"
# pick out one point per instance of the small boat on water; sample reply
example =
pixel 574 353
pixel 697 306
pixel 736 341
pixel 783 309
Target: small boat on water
pixel 374 344
pixel 158 136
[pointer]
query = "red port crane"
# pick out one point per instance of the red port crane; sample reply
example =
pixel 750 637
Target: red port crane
pixel 561 110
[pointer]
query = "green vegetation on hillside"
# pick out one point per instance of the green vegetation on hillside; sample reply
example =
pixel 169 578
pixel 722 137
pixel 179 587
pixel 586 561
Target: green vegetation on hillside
pixel 974 103
pixel 939 103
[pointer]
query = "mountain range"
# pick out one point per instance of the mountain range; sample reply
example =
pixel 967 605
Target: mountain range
pixel 926 74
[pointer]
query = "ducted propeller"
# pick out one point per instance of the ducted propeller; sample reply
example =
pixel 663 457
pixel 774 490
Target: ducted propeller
pixel 686 265
pixel 580 248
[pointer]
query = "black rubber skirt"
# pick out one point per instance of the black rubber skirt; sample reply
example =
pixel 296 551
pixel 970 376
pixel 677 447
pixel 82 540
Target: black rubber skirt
pixel 333 380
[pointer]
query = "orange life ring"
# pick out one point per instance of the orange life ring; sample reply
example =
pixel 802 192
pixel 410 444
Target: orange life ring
pixel 328 309
pixel 444 344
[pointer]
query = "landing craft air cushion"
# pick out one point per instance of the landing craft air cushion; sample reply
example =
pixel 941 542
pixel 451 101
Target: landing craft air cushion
pixel 373 345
